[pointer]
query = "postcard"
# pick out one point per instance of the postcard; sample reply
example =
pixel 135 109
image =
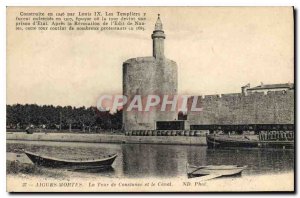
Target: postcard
pixel 150 99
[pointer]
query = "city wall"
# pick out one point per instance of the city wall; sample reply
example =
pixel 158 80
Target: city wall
pixel 275 107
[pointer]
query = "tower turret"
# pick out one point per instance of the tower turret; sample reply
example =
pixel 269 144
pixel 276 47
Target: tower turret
pixel 158 38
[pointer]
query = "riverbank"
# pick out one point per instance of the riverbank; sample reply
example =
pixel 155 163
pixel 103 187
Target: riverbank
pixel 106 138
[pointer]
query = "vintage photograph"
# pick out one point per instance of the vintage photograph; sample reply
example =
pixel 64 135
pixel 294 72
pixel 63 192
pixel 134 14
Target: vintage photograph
pixel 150 99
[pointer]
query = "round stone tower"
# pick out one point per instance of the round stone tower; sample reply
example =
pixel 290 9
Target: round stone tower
pixel 144 76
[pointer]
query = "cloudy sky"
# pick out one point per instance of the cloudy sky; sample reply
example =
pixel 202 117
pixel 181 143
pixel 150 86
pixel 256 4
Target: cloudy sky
pixel 217 50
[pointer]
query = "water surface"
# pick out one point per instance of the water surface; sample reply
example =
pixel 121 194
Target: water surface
pixel 148 160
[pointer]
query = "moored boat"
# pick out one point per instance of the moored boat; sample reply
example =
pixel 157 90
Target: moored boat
pixel 71 164
pixel 213 171
pixel 223 141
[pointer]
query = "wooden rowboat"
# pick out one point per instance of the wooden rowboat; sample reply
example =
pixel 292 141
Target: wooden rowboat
pixel 211 171
pixel 70 164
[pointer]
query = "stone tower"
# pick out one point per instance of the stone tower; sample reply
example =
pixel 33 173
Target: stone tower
pixel 158 38
pixel 153 75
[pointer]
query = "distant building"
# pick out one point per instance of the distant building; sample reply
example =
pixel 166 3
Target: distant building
pixel 266 88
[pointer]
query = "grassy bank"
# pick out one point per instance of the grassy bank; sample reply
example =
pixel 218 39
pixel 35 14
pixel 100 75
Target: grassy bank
pixel 23 169
pixel 16 167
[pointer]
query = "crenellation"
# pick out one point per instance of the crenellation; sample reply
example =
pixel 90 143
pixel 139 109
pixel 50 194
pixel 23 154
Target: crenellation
pixel 211 97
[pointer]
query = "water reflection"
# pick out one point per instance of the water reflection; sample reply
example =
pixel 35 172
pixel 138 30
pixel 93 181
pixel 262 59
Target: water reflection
pixel 109 170
pixel 258 161
pixel 145 160
pixel 149 160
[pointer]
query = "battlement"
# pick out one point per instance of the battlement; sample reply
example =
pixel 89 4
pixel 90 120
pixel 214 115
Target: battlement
pixel 211 97
pixel 241 96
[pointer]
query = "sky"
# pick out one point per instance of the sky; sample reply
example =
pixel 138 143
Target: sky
pixel 217 49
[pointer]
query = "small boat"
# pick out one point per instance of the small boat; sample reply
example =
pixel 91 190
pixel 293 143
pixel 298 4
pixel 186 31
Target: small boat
pixel 213 171
pixel 70 164
pixel 223 141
